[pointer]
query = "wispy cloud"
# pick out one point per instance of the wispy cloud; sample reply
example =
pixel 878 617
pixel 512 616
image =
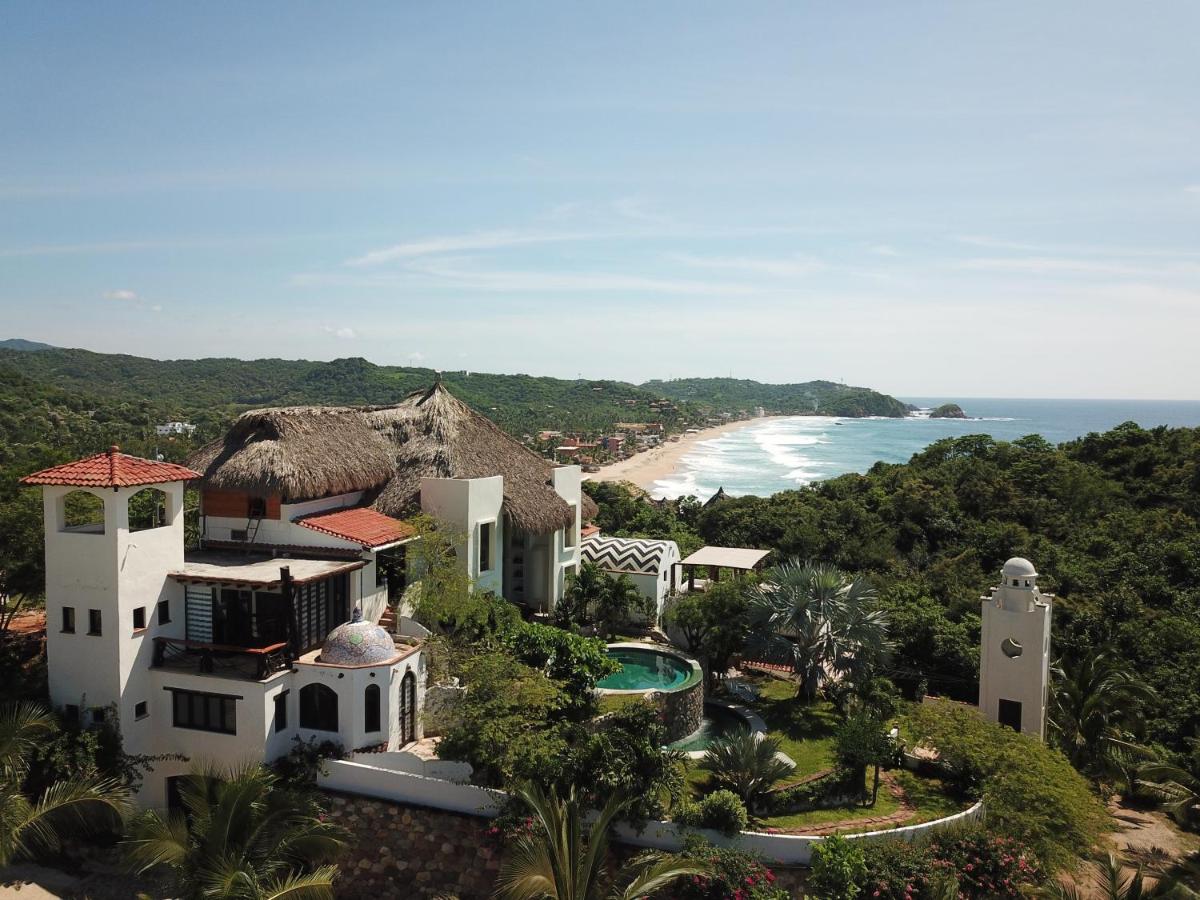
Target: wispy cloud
pixel 480 240
pixel 885 250
pixel 123 295
pixel 778 267
pixel 1071 249
pixel 345 332
pixel 1044 265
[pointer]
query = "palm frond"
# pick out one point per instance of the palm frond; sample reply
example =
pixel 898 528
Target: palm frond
pixel 656 872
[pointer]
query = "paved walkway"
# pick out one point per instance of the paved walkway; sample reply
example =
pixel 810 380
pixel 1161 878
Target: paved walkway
pixel 875 823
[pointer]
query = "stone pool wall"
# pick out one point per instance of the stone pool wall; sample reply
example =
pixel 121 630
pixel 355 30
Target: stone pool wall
pixel 682 710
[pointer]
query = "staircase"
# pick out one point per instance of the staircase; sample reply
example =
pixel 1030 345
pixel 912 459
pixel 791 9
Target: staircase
pixel 388 620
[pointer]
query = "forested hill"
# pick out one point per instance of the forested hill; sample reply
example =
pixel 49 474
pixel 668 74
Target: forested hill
pixel 209 392
pixel 824 397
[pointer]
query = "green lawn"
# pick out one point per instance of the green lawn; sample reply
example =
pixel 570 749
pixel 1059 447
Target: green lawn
pixel 884 806
pixel 805 732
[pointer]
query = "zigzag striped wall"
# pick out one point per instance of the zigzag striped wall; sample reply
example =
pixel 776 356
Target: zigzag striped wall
pixel 638 556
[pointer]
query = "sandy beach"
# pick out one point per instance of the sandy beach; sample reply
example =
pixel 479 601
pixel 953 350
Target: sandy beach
pixel 643 469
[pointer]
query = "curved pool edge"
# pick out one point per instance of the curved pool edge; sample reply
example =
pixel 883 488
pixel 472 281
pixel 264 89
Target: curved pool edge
pixel 695 675
pixel 752 719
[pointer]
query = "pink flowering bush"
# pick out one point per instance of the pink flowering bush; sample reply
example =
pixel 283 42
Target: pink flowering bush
pixel 986 865
pixel 734 875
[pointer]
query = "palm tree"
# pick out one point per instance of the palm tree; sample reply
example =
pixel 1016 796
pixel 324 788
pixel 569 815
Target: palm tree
pixel 1095 700
pixel 240 836
pixel 75 804
pixel 1113 883
pixel 746 764
pixel 564 860
pixel 825 623
pixel 1175 786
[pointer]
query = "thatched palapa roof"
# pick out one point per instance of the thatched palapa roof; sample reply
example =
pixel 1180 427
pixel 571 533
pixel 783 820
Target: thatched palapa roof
pixel 309 452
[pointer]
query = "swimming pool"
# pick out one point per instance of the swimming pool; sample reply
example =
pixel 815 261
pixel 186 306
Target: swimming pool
pixel 647 669
pixel 718 721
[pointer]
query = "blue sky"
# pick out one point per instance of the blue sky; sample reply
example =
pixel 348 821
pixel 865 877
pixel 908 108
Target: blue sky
pixel 961 199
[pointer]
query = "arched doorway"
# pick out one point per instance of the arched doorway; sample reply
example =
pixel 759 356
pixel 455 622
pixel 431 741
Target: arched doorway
pixel 408 708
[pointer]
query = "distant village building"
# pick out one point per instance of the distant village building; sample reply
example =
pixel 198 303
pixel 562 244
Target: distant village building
pixel 170 428
pixel 1014 663
pixel 271 631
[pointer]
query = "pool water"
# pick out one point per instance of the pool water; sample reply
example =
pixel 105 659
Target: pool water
pixel 717 722
pixel 645 670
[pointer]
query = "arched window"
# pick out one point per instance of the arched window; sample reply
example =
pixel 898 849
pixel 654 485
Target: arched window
pixel 408 708
pixel 82 513
pixel 147 509
pixel 371 717
pixel 318 708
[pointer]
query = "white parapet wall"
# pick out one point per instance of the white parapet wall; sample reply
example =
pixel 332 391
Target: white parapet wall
pixel 359 776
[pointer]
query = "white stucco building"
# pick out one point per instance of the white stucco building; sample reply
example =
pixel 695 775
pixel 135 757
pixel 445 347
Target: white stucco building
pixel 1014 663
pixel 650 564
pixel 269 632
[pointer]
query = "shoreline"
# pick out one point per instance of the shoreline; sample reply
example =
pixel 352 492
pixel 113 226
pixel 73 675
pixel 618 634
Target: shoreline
pixel 643 469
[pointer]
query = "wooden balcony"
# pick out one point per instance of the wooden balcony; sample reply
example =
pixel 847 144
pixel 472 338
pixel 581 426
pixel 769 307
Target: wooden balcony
pixel 225 660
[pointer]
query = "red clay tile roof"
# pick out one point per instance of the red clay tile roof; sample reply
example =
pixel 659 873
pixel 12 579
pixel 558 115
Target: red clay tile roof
pixel 361 525
pixel 111 469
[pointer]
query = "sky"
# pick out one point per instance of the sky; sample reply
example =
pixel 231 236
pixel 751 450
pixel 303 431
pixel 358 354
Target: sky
pixel 953 199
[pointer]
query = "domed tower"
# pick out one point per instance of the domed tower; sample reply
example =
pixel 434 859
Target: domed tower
pixel 1014 659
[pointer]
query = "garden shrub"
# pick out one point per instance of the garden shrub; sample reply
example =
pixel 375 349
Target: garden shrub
pixel 733 875
pixel 721 811
pixel 986 865
pixel 1031 792
pixel 839 869
pixel 897 870
pixel 832 790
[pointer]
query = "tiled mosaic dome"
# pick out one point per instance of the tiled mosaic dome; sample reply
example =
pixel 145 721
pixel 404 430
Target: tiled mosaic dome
pixel 357 643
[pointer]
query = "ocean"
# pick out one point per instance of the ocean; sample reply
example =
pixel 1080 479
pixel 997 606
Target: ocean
pixel 790 452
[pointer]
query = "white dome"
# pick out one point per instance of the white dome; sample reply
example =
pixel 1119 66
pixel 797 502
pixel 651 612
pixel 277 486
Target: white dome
pixel 1018 567
pixel 357 644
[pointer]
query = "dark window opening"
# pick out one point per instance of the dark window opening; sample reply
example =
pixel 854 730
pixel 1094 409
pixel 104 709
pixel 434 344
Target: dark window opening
pixel 68 619
pixel 248 618
pixel 95 622
pixel 141 710
pixel 1010 714
pixel 237 534
pixel 486 530
pixel 371 718
pixel 139 618
pixel 320 606
pixel 281 711
pixel 204 712
pixel 257 507
pixel 408 708
pixel 164 612
pixel 71 712
pixel 174 796
pixel 98 715
pixel 318 708
pixel 391 567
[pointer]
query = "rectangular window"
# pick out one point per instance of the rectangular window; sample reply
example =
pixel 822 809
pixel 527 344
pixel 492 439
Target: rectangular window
pixel 204 712
pixel 257 507
pixel 141 710
pixel 71 712
pixel 139 618
pixel 1010 714
pixel 164 612
pixel 486 532
pixel 569 531
pixel 281 711
pixel 95 622
pixel 68 620
pixel 98 713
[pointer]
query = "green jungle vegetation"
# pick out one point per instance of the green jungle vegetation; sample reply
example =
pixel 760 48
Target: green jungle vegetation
pixel 827 398
pixel 1111 520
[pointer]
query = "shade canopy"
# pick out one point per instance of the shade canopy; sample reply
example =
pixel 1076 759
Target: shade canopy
pixel 727 557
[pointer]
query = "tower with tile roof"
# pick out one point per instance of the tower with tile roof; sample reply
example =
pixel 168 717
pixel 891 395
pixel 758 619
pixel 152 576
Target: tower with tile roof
pixel 113 531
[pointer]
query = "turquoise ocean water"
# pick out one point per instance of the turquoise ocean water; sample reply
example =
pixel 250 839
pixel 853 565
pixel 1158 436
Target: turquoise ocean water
pixel 789 452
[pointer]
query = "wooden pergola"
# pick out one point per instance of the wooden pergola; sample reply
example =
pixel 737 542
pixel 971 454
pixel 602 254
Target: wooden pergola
pixel 737 559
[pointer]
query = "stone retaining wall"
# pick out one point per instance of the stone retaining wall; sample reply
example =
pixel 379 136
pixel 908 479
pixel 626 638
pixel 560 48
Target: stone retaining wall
pixel 682 710
pixel 399 851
